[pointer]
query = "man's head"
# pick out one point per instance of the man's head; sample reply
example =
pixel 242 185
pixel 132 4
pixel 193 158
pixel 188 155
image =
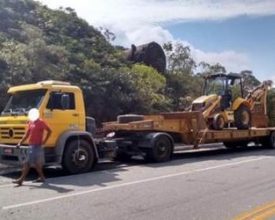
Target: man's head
pixel 33 114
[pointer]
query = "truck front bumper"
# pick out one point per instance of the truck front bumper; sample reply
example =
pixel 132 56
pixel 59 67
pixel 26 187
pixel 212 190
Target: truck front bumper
pixel 10 155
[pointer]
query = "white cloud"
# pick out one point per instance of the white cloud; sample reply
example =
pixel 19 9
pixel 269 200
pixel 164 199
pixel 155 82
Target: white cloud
pixel 142 21
pixel 232 60
pixel 126 12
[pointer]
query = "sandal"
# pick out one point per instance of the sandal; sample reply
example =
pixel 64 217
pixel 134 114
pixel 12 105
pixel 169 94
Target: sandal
pixel 18 182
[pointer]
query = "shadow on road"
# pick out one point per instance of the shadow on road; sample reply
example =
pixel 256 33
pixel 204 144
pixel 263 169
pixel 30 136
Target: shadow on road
pixel 50 186
pixel 113 168
pixel 210 153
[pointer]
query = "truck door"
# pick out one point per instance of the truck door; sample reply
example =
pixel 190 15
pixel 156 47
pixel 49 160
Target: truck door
pixel 61 117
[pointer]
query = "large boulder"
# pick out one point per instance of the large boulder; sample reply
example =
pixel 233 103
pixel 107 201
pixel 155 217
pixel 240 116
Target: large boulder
pixel 150 54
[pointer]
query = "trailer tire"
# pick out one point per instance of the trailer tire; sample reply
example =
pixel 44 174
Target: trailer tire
pixel 123 119
pixel 243 117
pixel 78 157
pixel 161 150
pixel 269 142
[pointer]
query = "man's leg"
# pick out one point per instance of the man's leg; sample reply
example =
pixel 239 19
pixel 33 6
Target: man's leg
pixel 26 168
pixel 38 164
pixel 39 169
pixel 25 171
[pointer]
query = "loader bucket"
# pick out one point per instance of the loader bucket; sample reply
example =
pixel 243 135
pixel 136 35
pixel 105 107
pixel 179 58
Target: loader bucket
pixel 191 123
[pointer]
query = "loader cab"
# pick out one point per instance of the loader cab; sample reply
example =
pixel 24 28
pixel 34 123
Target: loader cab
pixel 228 86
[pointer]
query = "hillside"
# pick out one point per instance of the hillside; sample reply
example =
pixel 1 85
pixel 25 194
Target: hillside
pixel 38 43
pixel 49 41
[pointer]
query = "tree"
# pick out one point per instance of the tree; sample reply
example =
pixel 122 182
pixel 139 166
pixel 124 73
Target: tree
pixel 249 80
pixel 180 75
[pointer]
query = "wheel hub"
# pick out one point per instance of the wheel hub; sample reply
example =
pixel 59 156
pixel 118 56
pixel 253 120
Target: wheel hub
pixel 161 149
pixel 79 157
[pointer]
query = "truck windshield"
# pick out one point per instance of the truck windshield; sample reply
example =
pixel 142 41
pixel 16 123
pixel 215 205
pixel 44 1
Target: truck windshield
pixel 22 101
pixel 215 86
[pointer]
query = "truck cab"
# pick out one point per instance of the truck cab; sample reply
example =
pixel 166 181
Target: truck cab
pixel 61 106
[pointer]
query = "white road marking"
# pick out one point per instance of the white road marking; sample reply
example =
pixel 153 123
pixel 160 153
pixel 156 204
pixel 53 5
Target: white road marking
pixel 131 183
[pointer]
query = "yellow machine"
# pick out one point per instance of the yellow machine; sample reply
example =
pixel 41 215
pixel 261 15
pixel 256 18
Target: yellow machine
pixel 218 106
pixel 155 137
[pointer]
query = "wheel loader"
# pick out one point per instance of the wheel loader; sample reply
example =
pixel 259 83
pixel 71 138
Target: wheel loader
pixel 218 106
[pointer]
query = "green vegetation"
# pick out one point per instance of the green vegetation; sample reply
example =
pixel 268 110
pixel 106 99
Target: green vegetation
pixel 37 43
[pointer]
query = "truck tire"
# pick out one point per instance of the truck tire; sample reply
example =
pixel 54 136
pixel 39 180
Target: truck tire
pixel 123 119
pixel 78 157
pixel 243 117
pixel 269 142
pixel 161 150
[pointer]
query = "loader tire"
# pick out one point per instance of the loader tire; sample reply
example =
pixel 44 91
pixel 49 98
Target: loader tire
pixel 123 119
pixel 218 122
pixel 243 117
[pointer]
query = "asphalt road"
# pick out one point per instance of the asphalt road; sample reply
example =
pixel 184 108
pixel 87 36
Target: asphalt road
pixel 216 184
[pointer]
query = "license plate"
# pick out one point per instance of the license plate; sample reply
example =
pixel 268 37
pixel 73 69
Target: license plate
pixel 8 151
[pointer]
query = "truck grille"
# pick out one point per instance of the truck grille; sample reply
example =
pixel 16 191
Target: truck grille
pixel 12 133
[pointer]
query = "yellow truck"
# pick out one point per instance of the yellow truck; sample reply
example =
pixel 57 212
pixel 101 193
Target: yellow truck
pixel 61 105
pixel 73 144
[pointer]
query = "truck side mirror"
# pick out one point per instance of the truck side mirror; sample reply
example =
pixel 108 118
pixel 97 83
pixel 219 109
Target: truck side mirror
pixel 65 101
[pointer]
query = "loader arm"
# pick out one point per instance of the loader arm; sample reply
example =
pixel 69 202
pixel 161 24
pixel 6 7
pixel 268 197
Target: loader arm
pixel 210 108
pixel 258 97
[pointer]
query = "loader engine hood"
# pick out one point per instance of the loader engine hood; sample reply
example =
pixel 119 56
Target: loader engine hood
pixel 203 101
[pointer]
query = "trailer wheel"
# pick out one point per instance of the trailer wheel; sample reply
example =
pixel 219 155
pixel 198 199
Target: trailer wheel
pixel 123 119
pixel 218 122
pixel 243 117
pixel 161 150
pixel 78 157
pixel 269 142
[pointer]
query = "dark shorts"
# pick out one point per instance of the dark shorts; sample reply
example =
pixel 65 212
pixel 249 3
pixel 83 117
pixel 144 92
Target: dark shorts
pixel 35 155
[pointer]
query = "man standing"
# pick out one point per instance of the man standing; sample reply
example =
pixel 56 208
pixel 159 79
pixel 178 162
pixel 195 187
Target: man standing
pixel 35 134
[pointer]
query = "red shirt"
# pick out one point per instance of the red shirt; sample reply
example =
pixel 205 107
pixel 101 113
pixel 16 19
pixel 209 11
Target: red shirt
pixel 36 129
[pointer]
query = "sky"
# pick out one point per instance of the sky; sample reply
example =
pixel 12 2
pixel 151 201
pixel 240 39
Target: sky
pixel 238 34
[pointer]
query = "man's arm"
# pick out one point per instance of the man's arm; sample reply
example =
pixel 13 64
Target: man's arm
pixel 49 132
pixel 25 137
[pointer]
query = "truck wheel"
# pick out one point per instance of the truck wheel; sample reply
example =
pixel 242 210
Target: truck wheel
pixel 161 151
pixel 243 117
pixel 78 157
pixel 218 122
pixel 269 142
pixel 123 119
